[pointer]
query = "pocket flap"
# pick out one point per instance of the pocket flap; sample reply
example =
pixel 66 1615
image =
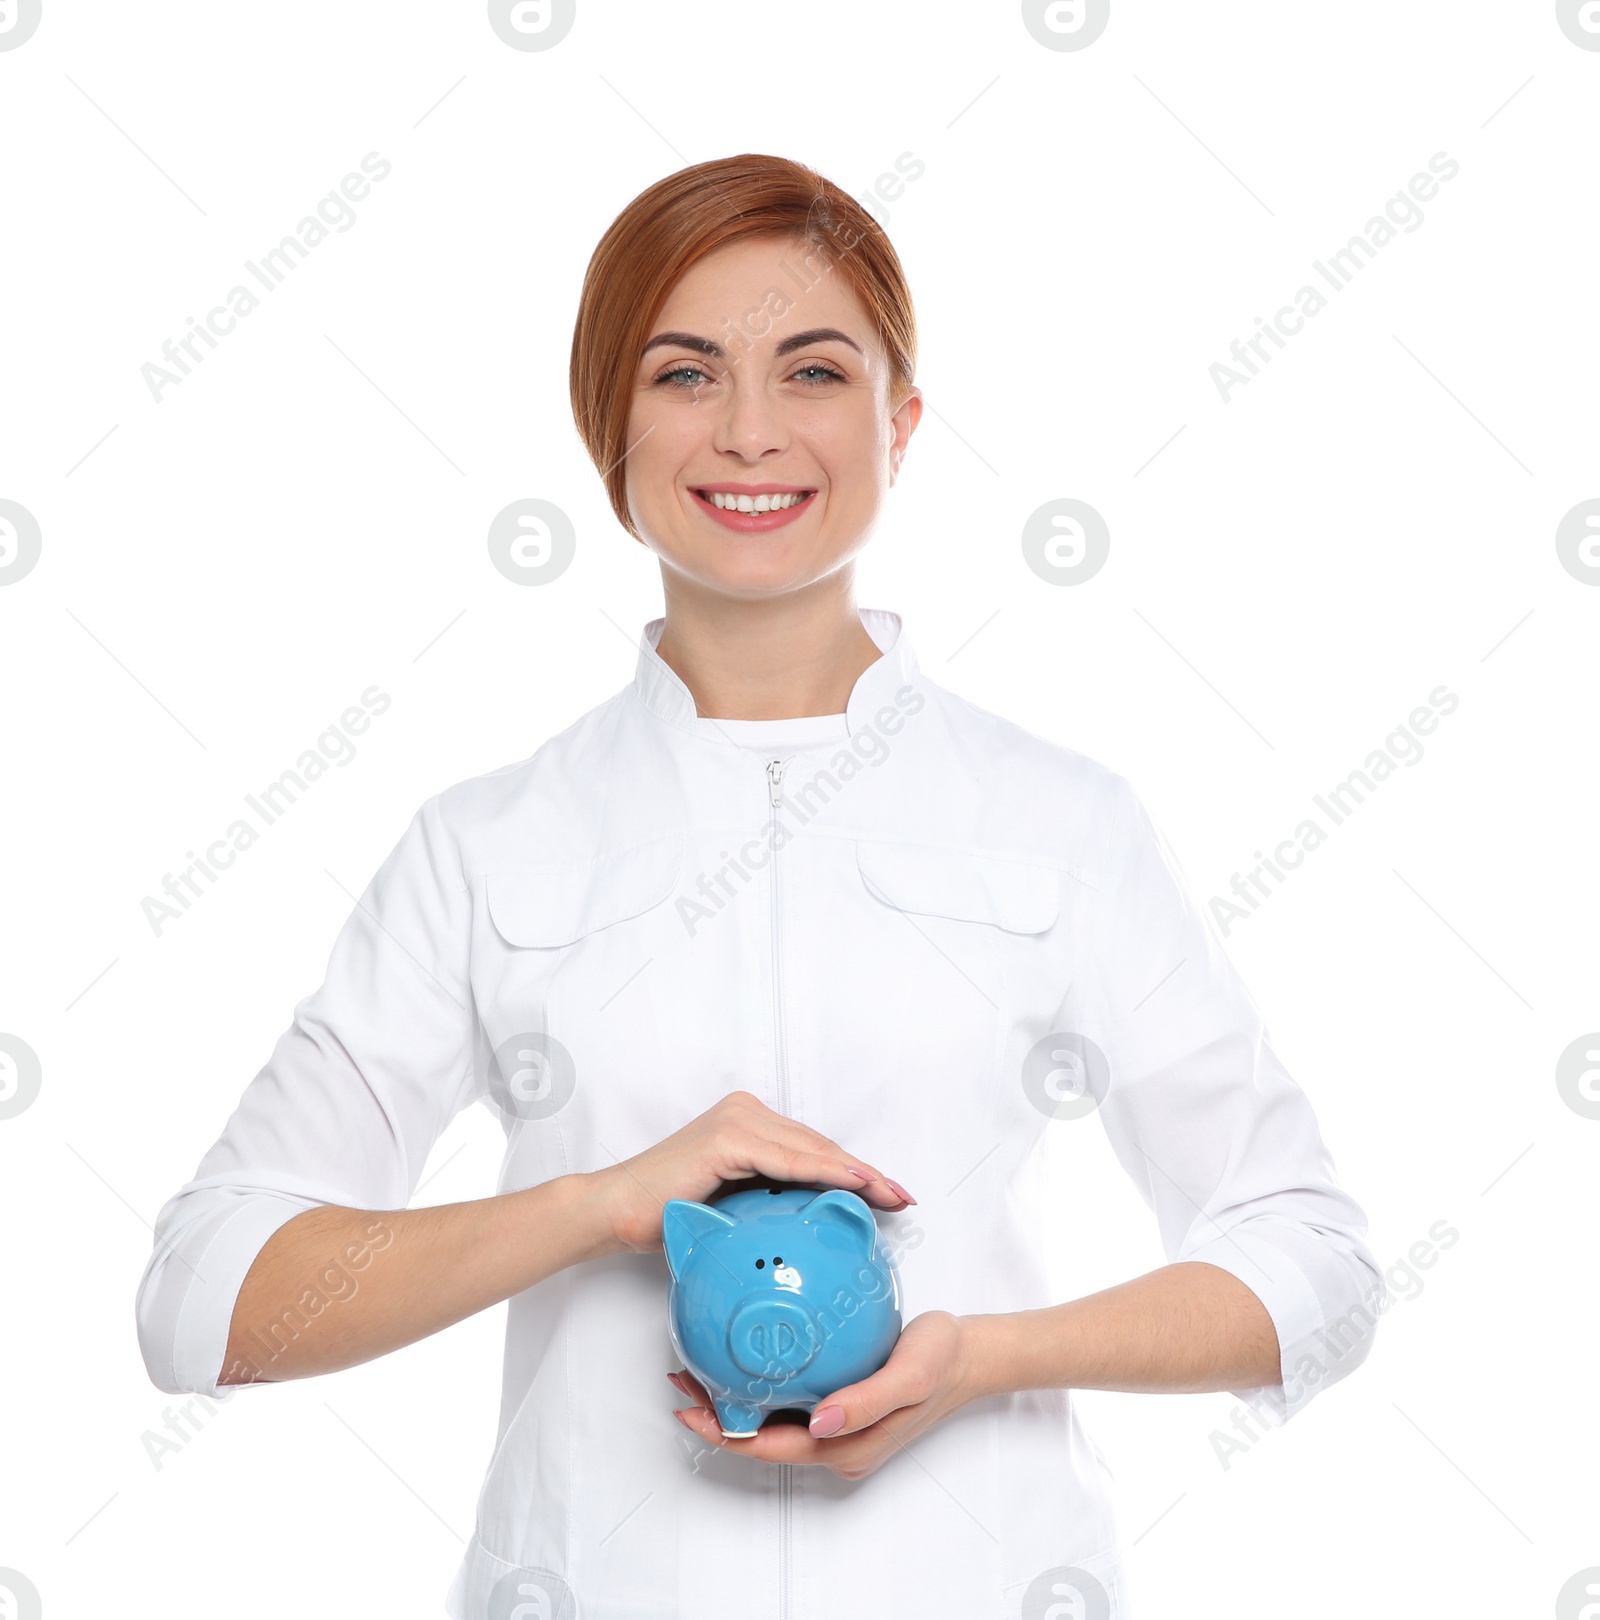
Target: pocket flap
pixel 1018 896
pixel 560 903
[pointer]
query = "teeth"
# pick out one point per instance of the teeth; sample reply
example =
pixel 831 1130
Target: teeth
pixel 758 503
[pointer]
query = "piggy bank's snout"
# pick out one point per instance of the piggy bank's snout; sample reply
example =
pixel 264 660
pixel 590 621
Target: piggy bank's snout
pixel 774 1336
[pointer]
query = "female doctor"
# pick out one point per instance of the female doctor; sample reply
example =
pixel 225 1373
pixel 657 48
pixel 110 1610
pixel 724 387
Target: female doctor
pixel 782 908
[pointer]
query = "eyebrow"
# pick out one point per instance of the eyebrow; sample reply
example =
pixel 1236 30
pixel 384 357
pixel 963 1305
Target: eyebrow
pixel 713 351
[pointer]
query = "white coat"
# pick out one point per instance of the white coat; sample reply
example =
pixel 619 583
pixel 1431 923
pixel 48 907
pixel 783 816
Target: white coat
pixel 930 939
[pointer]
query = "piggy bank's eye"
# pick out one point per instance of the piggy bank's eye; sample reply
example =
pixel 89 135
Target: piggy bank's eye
pixel 777 1259
pixel 760 1264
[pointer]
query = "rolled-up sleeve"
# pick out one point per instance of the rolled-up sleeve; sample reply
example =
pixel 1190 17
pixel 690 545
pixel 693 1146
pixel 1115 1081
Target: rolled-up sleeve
pixel 1219 1139
pixel 375 1064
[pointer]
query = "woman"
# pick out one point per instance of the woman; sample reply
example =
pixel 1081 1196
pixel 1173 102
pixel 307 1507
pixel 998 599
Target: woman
pixel 782 908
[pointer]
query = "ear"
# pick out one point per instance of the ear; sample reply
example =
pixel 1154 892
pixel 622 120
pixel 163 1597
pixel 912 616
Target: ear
pixel 846 1213
pixel 683 1224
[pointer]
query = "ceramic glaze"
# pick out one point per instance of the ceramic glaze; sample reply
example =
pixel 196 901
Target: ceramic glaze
pixel 779 1297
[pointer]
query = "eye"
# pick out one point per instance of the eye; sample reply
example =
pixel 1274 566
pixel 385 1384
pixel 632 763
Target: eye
pixel 666 379
pixel 828 374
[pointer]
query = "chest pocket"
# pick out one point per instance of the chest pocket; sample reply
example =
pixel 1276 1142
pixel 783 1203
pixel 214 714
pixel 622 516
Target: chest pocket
pixel 949 975
pixel 559 904
pixel 563 938
pixel 1016 896
pixel 954 941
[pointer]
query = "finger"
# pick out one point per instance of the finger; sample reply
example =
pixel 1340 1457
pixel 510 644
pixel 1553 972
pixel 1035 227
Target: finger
pixel 691 1386
pixel 858 1406
pixel 811 1156
pixel 773 1442
pixel 832 1168
pixel 826 1147
pixel 885 1193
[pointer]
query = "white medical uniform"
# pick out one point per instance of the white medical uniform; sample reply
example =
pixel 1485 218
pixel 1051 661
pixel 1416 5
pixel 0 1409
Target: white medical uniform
pixel 925 932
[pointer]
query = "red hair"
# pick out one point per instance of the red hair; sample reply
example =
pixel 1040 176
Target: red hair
pixel 674 222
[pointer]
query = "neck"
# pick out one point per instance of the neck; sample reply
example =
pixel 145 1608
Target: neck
pixel 769 658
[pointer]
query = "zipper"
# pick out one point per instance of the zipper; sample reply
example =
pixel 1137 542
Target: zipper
pixel 775 791
pixel 785 1470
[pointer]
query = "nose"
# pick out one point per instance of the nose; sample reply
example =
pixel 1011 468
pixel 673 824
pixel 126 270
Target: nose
pixel 773 1337
pixel 749 424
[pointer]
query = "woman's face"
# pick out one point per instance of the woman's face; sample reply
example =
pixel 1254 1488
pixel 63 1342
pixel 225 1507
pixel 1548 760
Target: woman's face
pixel 750 385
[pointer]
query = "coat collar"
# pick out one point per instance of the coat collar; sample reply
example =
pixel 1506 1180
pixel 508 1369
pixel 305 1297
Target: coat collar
pixel 663 693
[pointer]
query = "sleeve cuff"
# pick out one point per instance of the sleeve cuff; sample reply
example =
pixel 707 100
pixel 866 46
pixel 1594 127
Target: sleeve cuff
pixel 205 1315
pixel 1309 1356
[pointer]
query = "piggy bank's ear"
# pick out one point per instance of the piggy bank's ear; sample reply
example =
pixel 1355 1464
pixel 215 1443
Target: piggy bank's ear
pixel 683 1223
pixel 844 1214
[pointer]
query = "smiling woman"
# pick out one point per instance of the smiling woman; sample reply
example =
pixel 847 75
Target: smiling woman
pixel 938 938
pixel 815 237
pixel 742 365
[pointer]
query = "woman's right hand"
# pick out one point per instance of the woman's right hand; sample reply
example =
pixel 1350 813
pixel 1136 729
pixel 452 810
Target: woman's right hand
pixel 735 1139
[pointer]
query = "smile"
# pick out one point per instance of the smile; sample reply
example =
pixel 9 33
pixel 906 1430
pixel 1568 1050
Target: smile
pixel 753 512
pixel 728 501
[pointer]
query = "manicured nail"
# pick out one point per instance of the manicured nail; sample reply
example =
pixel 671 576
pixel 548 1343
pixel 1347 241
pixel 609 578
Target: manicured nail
pixel 900 1191
pixel 681 1413
pixel 677 1383
pixel 827 1420
pixel 866 1175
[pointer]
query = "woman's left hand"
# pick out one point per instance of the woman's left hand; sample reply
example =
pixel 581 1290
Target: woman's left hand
pixel 926 1378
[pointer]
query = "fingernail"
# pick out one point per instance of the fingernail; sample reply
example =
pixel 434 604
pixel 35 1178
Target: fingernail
pixel 677 1383
pixel 901 1191
pixel 866 1175
pixel 827 1420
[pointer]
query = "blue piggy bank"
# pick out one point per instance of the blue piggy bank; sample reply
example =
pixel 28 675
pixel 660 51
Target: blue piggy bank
pixel 779 1296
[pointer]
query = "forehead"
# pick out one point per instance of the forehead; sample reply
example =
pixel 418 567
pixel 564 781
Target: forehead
pixel 763 286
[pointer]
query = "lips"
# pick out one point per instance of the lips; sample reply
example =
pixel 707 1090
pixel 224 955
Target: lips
pixel 753 522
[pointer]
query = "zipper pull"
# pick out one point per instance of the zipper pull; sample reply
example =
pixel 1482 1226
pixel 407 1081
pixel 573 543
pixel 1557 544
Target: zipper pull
pixel 775 779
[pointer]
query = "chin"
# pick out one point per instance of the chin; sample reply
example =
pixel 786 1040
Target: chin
pixel 752 583
pixel 740 564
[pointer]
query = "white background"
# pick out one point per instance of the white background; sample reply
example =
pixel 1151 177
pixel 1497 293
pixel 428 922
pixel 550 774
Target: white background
pixel 1371 517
